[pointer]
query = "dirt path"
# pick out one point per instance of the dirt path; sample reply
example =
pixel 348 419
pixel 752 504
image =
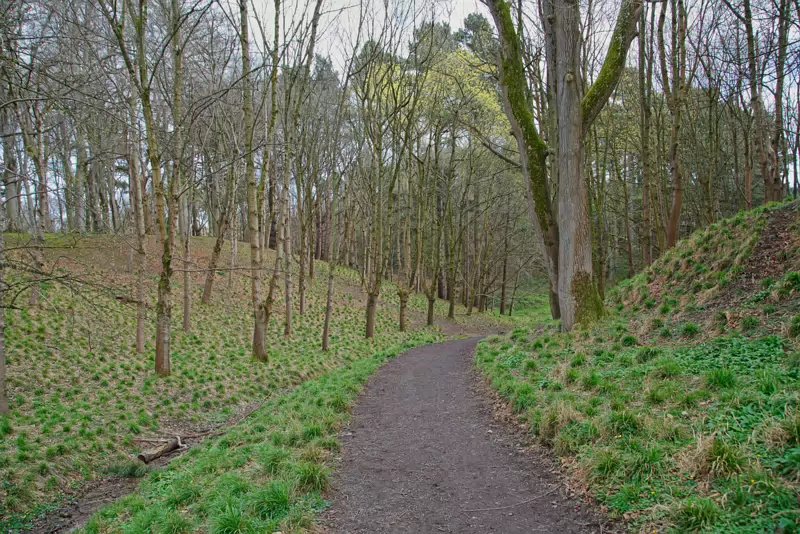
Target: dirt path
pixel 424 454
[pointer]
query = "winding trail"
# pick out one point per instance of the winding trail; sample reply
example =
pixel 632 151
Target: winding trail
pixel 424 454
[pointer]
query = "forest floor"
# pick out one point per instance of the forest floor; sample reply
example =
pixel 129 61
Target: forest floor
pixel 84 403
pixel 680 410
pixel 425 452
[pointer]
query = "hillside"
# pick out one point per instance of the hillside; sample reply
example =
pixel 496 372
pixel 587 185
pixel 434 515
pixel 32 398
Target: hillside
pixel 84 403
pixel 680 411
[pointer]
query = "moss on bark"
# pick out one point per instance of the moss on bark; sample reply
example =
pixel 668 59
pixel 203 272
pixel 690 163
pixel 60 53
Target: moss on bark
pixel 588 305
pixel 613 64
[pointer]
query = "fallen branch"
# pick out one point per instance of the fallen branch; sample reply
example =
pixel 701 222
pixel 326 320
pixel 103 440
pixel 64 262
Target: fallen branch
pixel 158 452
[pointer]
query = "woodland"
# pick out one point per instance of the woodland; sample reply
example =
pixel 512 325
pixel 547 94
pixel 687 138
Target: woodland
pixel 304 183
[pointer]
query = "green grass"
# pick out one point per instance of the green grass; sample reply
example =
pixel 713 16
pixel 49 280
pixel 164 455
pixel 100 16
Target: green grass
pixel 672 419
pixel 266 475
pixel 80 395
pixel 687 427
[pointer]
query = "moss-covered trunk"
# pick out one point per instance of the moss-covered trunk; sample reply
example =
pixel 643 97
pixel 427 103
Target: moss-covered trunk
pixel 533 151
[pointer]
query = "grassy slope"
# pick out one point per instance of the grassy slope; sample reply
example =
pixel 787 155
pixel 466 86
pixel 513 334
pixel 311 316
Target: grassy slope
pixel 681 410
pixel 80 394
pixel 265 475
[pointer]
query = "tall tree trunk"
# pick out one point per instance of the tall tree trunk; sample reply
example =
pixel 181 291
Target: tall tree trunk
pixel 3 388
pixel 165 199
pixel 645 90
pixel 11 179
pixel 234 240
pixel 187 267
pixel 302 217
pixel 32 138
pixel 778 148
pixel 177 161
pixel 275 206
pixel 138 214
pixel 756 104
pixel 577 289
pixel 675 86
pixel 259 316
pixel 222 227
pixel 505 267
pixel 287 245
pixel 332 193
pixel 533 151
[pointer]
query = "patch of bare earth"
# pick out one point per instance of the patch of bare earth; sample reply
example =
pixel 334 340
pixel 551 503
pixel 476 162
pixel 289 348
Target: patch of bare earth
pixel 769 259
pixel 425 454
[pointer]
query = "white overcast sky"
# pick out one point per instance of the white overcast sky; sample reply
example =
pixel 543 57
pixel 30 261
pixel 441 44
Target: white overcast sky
pixel 340 21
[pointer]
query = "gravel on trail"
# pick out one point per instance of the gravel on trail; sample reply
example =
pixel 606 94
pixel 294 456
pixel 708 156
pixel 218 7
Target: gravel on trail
pixel 423 453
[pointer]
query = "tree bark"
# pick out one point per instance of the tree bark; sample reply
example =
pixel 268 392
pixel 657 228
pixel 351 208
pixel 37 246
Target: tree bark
pixel 533 151
pixel 372 312
pixel 14 222
pixel 577 289
pixel 138 214
pixel 153 454
pixel 222 227
pixel 259 315
pixel 3 388
pixel 645 90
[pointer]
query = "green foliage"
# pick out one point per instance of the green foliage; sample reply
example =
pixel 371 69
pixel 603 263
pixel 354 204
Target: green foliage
pixel 690 330
pixel 721 378
pixel 128 469
pixel 81 393
pixel 697 513
pixel 794 326
pixel 243 481
pixel 645 354
pixel 750 324
pixel 692 435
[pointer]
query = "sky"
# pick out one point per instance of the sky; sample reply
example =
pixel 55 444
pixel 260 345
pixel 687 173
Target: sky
pixel 340 19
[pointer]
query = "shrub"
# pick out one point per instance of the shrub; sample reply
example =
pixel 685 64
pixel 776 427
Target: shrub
pixel 590 380
pixel 232 520
pixel 311 476
pixel 791 424
pixel 605 463
pixel 5 427
pixel 656 395
pixel 127 469
pixel 749 324
pixel 645 354
pixel 725 459
pixel 690 330
pixel 624 422
pixel 794 326
pixel 667 369
pixel 721 378
pixel 271 502
pixel 519 334
pixel 523 398
pixel 768 383
pixel 696 513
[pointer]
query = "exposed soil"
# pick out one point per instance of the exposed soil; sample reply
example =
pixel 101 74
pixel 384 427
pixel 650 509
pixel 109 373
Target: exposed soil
pixel 424 453
pixel 768 260
pixel 96 494
pixel 74 515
